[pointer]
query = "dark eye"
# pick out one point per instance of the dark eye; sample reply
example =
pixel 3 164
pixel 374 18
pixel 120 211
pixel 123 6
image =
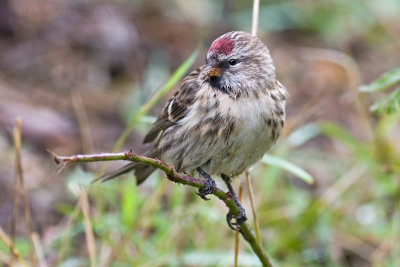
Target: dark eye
pixel 232 61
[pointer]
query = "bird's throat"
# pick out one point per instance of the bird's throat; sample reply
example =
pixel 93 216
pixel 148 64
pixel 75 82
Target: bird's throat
pixel 217 84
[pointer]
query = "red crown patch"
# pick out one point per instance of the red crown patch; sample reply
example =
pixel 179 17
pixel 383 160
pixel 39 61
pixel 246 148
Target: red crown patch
pixel 222 45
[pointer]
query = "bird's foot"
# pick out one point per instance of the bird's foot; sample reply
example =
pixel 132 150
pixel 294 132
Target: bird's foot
pixel 234 221
pixel 209 185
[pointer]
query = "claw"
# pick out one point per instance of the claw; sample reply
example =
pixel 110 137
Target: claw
pixel 202 195
pixel 229 218
pixel 241 216
pixel 209 185
pixel 239 219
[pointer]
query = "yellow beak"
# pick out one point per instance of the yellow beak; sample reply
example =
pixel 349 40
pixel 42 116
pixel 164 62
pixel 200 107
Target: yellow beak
pixel 213 72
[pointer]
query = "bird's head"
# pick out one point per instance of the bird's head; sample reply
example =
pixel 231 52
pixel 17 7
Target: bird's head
pixel 238 62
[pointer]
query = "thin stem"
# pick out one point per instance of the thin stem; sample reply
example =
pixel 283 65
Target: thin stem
pixel 237 233
pixel 90 241
pixel 254 24
pixel 253 206
pixel 14 213
pixel 176 177
pixel 39 250
pixel 251 239
pixel 6 240
pixel 20 177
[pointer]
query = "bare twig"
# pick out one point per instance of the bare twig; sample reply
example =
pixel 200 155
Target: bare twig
pixel 176 177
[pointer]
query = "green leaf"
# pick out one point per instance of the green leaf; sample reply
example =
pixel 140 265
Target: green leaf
pixel 389 104
pixel 288 166
pixel 148 119
pixel 303 134
pixel 387 80
pixel 129 202
pixel 385 126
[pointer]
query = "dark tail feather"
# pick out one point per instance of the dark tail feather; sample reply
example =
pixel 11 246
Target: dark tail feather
pixel 141 171
pixel 124 169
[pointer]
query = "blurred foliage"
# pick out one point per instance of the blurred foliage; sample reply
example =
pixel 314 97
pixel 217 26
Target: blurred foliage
pixel 115 55
pixel 290 167
pixel 390 103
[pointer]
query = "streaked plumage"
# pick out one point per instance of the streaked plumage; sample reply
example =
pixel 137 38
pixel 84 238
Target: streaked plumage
pixel 224 117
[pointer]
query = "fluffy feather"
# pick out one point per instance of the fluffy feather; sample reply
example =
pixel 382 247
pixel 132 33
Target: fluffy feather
pixel 221 124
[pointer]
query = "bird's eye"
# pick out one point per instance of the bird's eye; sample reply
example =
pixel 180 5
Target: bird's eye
pixel 232 61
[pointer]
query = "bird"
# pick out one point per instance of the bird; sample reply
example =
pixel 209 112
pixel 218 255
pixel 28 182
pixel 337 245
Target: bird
pixel 226 115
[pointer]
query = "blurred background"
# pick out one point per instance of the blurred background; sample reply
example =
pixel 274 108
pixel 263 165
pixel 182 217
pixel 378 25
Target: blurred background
pixel 77 71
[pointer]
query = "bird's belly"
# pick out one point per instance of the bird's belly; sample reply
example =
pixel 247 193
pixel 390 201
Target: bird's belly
pixel 252 137
pixel 244 150
pixel 227 141
pixel 233 155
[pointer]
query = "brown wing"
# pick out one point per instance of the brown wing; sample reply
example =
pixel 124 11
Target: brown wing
pixel 177 106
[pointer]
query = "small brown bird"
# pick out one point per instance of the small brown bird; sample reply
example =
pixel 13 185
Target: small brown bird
pixel 223 119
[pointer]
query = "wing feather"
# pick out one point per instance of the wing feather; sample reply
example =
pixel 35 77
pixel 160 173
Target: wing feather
pixel 177 107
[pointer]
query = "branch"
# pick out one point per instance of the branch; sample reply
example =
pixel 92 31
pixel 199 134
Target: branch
pixel 176 177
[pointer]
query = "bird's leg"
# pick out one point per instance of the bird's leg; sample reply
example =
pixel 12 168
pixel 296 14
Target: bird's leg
pixel 241 217
pixel 209 185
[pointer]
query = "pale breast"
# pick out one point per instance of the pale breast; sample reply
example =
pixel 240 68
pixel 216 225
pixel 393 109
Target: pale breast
pixel 221 134
pixel 257 128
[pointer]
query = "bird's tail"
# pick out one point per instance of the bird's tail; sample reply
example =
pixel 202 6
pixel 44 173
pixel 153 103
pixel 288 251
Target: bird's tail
pixel 141 171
